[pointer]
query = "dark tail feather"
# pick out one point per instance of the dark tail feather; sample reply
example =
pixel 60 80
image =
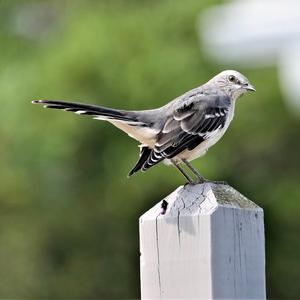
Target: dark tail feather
pixel 86 109
pixel 145 152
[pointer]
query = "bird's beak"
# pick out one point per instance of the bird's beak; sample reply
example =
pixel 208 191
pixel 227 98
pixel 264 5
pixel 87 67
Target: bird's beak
pixel 250 87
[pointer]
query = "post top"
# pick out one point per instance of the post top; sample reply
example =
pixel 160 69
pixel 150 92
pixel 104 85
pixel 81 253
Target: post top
pixel 226 194
pixel 201 199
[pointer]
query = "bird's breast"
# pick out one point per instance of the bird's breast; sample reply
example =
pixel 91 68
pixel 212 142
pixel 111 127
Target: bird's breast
pixel 202 148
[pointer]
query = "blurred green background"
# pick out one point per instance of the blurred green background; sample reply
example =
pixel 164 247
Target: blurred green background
pixel 68 213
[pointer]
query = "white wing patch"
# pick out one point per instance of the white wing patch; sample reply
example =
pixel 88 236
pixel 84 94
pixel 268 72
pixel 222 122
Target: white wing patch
pixel 209 116
pixel 217 114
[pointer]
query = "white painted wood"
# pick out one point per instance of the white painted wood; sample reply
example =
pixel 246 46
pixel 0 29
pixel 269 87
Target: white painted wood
pixel 209 244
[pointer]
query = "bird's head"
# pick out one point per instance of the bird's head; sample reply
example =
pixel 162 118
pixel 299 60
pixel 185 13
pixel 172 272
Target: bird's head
pixel 233 83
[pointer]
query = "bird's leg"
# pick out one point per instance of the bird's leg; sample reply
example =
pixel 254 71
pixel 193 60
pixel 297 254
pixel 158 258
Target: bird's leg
pixel 200 178
pixel 181 170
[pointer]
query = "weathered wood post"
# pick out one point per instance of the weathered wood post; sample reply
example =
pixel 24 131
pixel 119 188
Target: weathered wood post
pixel 209 244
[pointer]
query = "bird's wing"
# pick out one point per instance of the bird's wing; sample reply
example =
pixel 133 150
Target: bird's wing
pixel 192 122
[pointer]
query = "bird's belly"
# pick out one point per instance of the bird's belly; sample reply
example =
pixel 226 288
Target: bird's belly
pixel 144 135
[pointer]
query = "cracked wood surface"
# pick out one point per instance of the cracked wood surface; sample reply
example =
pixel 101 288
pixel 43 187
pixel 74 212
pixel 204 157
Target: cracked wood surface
pixel 209 244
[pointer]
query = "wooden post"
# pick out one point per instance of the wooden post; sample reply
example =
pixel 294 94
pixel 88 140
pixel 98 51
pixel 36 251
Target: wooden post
pixel 208 244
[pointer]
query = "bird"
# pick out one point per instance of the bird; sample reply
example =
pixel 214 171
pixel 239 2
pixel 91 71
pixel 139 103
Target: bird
pixel 179 131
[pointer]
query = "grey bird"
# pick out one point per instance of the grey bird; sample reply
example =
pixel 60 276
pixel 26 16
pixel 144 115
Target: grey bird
pixel 181 130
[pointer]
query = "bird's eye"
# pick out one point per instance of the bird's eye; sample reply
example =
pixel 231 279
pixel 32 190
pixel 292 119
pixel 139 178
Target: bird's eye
pixel 231 78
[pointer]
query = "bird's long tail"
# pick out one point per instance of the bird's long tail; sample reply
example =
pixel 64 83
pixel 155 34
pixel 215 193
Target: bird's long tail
pixel 98 112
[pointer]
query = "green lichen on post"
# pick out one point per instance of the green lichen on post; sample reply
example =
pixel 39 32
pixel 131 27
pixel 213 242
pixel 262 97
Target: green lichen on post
pixel 226 194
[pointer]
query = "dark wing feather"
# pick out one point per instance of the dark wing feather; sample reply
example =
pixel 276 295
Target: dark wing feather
pixel 188 126
pixel 144 154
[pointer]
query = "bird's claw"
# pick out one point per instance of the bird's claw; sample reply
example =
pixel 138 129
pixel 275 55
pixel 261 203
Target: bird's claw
pixel 197 181
pixel 203 180
pixel 218 182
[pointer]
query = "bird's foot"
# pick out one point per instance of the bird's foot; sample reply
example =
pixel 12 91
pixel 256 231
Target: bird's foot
pixel 197 181
pixel 218 182
pixel 204 180
pixel 189 183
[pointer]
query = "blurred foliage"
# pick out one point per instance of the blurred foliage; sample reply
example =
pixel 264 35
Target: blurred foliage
pixel 68 214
